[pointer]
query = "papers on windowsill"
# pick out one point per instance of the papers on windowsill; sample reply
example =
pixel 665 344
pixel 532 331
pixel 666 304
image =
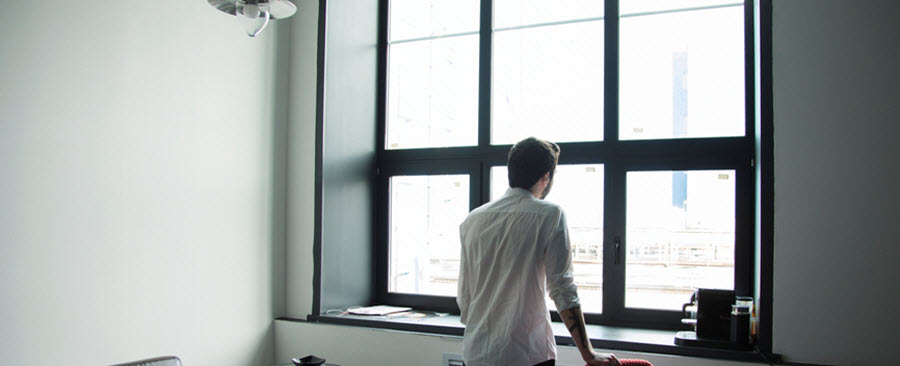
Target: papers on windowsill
pixel 379 310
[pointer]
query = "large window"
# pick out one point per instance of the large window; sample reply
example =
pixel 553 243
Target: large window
pixel 650 102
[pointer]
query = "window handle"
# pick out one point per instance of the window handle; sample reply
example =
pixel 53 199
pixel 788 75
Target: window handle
pixel 617 241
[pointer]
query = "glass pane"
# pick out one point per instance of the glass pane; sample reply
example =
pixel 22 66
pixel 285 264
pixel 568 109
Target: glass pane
pixel 548 82
pixel 514 13
pixel 679 236
pixel 578 189
pixel 425 213
pixel 682 74
pixel 427 18
pixel 627 7
pixel 433 93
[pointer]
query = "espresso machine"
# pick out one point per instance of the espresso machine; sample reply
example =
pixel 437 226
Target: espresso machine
pixel 718 319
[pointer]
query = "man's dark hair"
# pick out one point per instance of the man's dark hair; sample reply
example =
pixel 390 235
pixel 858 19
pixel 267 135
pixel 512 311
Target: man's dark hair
pixel 529 160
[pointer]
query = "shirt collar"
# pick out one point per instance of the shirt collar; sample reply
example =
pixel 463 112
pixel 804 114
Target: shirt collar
pixel 516 191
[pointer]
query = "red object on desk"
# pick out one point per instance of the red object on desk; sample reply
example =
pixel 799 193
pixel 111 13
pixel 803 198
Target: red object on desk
pixel 634 362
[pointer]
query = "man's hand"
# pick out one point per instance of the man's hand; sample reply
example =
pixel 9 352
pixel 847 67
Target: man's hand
pixel 574 320
pixel 600 359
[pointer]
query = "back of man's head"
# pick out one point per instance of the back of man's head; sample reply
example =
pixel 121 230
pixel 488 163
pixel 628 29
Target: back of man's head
pixel 529 160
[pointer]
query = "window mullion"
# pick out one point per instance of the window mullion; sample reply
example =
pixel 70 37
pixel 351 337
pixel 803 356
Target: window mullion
pixel 484 74
pixel 611 72
pixel 614 186
pixel 613 233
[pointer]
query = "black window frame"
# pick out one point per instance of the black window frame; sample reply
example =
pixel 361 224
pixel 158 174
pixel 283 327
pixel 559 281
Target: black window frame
pixel 617 156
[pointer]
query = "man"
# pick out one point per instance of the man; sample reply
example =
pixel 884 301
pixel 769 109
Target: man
pixel 514 250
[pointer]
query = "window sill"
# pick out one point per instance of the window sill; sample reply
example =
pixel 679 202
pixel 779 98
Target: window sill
pixel 602 337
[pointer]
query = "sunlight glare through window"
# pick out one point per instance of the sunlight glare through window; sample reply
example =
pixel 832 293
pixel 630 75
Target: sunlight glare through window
pixel 679 236
pixel 426 211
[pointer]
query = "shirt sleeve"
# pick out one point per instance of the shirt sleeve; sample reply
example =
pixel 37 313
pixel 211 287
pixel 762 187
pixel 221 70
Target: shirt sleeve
pixel 462 291
pixel 558 263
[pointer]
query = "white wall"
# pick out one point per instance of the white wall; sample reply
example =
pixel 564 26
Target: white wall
pixel 837 188
pixel 137 208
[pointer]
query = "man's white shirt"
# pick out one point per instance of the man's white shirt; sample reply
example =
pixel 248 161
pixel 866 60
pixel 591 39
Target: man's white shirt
pixel 514 250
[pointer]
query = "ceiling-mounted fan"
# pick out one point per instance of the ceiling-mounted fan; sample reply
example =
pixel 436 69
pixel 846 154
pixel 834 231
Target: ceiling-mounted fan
pixel 255 14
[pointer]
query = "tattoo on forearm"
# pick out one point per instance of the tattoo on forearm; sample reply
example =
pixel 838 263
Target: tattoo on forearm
pixel 583 333
pixel 578 324
pixel 574 323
